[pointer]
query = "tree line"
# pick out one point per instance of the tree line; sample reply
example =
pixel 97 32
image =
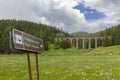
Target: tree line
pixel 45 32
pixel 51 34
pixel 111 37
pixel 113 32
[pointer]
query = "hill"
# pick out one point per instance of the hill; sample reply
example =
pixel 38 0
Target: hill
pixel 45 32
pixel 80 34
pixel 114 32
pixel 111 50
pixel 107 31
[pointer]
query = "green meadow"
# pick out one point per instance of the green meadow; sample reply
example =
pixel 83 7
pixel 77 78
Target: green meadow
pixel 102 63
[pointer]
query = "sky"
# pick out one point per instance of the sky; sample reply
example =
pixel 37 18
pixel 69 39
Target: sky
pixel 70 15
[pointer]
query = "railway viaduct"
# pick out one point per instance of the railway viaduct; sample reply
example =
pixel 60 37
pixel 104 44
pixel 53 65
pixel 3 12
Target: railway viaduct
pixel 75 41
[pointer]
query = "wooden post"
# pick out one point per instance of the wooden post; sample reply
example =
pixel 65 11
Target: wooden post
pixel 37 68
pixel 29 66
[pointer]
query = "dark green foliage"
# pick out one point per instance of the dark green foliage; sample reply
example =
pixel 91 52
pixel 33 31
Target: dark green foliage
pixel 60 35
pixel 106 42
pixel 86 43
pixel 80 44
pixel 92 43
pixel 99 42
pixel 51 47
pixel 113 32
pixel 45 32
pixel 57 43
pixel 65 44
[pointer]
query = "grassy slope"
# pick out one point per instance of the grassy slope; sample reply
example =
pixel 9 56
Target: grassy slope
pixel 112 50
pixel 70 64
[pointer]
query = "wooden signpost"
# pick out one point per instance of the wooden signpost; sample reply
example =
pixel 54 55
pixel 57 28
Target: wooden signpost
pixel 23 42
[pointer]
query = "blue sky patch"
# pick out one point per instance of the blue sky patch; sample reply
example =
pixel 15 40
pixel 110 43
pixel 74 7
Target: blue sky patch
pixel 90 14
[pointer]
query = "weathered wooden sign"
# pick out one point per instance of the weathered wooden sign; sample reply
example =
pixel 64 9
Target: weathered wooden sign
pixel 22 41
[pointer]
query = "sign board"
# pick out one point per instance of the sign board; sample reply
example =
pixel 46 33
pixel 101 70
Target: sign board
pixel 21 41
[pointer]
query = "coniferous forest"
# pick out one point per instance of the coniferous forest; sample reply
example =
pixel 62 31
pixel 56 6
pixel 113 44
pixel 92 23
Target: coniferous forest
pixel 113 32
pixel 45 32
pixel 49 34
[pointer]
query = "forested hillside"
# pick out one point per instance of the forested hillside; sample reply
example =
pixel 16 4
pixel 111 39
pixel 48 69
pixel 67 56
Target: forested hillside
pixel 49 34
pixel 80 34
pixel 114 32
pixel 46 32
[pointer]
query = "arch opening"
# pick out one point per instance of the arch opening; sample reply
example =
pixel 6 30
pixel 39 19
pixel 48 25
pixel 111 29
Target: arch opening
pixel 86 43
pixel 80 44
pixel 74 43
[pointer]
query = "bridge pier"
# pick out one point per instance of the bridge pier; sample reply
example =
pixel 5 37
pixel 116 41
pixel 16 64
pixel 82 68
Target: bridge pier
pixel 89 43
pixel 95 42
pixel 77 43
pixel 83 43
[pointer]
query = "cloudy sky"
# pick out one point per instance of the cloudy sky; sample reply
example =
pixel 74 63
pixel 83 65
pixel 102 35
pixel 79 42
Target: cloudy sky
pixel 70 15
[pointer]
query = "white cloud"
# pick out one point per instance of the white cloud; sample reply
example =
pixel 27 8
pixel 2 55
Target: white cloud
pixel 61 14
pixel 109 8
pixel 9 8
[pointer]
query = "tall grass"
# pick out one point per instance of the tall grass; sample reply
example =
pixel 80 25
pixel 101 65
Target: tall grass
pixel 70 64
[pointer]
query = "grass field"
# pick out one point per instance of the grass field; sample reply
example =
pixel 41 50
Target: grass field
pixel 96 64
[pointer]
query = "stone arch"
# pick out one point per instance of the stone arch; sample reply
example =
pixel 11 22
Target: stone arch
pixel 86 43
pixel 92 42
pixel 69 42
pixel 80 43
pixel 74 43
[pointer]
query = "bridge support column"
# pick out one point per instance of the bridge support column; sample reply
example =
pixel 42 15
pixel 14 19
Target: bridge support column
pixel 83 43
pixel 95 42
pixel 89 43
pixel 77 44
